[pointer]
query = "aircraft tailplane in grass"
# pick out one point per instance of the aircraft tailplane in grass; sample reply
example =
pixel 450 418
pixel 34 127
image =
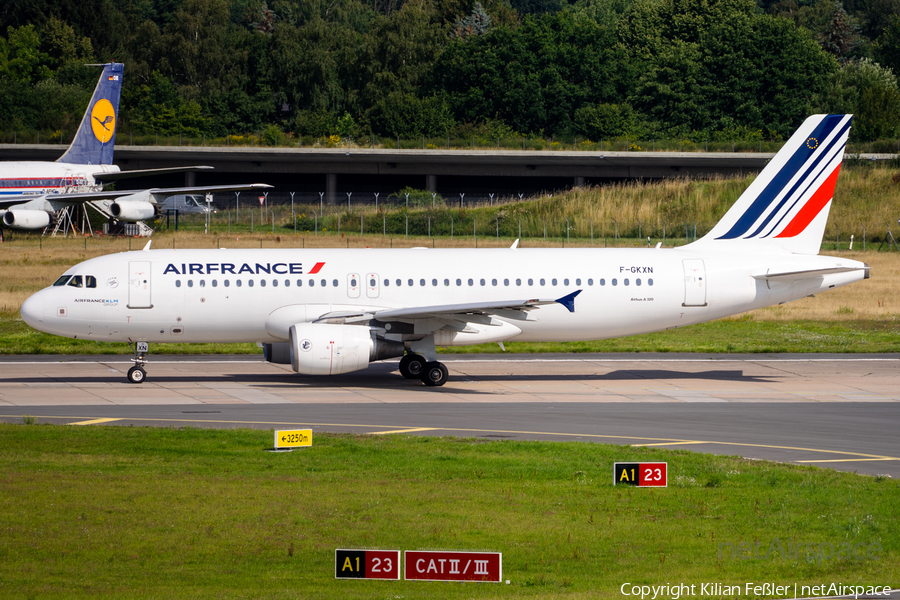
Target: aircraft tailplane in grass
pixel 327 312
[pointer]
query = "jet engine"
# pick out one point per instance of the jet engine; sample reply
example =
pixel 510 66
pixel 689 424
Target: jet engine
pixel 26 219
pixel 132 210
pixel 326 349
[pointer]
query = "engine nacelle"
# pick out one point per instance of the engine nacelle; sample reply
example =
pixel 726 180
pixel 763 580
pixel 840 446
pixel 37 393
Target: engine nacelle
pixel 132 210
pixel 26 219
pixel 326 349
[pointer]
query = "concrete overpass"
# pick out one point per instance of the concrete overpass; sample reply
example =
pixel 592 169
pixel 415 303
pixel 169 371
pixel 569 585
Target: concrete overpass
pixel 336 170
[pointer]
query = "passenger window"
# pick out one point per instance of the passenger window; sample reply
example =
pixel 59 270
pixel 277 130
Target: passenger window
pixel 353 282
pixel 399 283
pixel 422 282
pixel 334 282
pixel 202 283
pixel 482 282
pixel 626 282
pixel 76 281
pixel 458 282
pixel 614 282
pixel 190 283
pixel 227 283
pixel 590 282
pixel 566 282
pixel 637 282
pixel 446 282
pixel 530 281
pixel 312 282
pixel 602 281
pixel 493 282
pixel 410 282
pixel 262 283
pixel 649 282
pixel 518 282
pixel 287 283
pixel 239 283
pixel 387 282
pixel 553 281
pixel 506 282
pixel 299 283
pixel 471 282
pixel 62 280
pixel 372 282
pixel 250 282
pixel 177 283
pixel 577 281
pixel 90 281
pixel 434 282
pixel 543 281
pixel 215 283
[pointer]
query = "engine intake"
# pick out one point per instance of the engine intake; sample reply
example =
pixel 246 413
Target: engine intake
pixel 26 219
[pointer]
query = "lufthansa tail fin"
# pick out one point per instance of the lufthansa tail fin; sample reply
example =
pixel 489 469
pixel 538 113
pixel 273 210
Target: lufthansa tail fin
pixel 786 207
pixel 96 137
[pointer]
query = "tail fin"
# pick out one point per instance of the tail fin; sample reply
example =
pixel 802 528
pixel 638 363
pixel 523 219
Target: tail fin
pixel 96 137
pixel 786 207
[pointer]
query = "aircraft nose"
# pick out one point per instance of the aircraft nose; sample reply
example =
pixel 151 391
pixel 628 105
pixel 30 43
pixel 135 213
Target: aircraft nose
pixel 33 310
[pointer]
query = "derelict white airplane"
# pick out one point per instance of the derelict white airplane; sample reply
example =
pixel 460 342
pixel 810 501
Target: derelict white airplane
pixel 33 192
pixel 333 311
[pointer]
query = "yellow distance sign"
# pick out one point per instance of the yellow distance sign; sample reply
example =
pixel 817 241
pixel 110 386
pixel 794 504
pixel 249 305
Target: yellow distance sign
pixel 293 438
pixel 103 120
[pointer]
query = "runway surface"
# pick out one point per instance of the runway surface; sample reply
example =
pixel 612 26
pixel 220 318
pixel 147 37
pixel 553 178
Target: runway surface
pixel 832 411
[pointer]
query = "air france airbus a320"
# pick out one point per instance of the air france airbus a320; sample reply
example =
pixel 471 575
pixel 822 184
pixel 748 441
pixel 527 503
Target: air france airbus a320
pixel 333 311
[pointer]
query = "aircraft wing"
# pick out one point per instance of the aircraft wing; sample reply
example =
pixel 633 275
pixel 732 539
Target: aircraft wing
pixel 81 197
pixel 471 312
pixel 117 175
pixel 482 308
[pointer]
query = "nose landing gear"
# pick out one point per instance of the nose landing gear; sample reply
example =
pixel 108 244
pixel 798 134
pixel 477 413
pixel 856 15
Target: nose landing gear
pixel 137 374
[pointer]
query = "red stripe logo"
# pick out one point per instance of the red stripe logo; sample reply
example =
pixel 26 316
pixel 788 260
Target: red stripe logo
pixel 812 208
pixel 316 268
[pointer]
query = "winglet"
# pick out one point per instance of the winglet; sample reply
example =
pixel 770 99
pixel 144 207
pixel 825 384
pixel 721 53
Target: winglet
pixel 147 247
pixel 515 244
pixel 569 300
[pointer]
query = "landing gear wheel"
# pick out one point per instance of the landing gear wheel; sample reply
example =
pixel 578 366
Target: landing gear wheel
pixel 412 366
pixel 435 374
pixel 136 375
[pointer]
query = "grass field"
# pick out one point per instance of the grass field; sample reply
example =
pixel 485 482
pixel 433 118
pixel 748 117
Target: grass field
pixel 114 512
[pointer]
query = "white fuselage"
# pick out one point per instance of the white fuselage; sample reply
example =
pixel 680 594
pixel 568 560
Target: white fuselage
pixel 35 178
pixel 227 295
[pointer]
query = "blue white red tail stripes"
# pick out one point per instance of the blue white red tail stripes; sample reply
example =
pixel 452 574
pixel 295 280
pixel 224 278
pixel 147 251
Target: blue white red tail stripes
pixel 96 137
pixel 787 205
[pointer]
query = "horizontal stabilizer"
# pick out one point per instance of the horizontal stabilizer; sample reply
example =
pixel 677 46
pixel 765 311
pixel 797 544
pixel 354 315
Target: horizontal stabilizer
pixel 792 275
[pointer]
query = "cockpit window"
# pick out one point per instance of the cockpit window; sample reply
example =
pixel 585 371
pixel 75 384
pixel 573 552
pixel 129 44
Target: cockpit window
pixel 76 281
pixel 90 281
pixel 62 280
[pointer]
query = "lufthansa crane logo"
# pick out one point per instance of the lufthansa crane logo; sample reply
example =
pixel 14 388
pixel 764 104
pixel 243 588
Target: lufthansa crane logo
pixel 103 120
pixel 812 143
pixel 306 345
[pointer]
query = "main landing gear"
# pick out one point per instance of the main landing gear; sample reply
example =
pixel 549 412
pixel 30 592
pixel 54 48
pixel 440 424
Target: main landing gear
pixel 137 374
pixel 414 366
